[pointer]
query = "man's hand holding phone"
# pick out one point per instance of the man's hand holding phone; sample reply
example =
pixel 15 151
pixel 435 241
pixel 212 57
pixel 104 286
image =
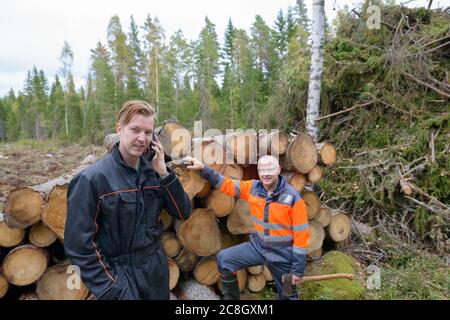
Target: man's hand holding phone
pixel 157 159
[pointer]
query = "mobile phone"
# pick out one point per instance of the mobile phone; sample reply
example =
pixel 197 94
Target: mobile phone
pixel 150 154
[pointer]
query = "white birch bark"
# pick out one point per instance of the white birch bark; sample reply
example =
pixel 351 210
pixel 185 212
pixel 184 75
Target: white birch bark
pixel 313 107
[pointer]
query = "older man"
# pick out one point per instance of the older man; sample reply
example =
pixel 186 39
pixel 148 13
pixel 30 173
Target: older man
pixel 279 215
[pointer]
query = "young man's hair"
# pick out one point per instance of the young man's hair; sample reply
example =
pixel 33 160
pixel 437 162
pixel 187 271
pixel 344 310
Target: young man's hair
pixel 133 107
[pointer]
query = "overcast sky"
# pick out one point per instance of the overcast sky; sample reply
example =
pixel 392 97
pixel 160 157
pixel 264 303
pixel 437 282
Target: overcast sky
pixel 33 32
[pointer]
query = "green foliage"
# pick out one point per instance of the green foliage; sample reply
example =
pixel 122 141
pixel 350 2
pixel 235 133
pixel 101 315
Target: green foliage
pixel 413 276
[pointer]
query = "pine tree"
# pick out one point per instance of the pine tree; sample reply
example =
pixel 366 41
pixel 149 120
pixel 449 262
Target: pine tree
pixel 179 64
pixel 263 46
pixel 102 107
pixel 74 111
pixel 280 35
pixel 207 68
pixel 119 57
pixel 57 108
pixel 66 59
pixel 135 58
pixel 155 38
pixel 302 14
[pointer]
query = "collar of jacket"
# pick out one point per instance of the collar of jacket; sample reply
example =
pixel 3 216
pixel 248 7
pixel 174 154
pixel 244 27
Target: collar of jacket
pixel 145 165
pixel 280 186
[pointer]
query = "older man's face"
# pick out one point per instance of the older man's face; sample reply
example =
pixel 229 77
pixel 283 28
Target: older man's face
pixel 268 171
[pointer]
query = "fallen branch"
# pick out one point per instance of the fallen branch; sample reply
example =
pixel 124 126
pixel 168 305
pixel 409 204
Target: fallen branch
pixel 441 213
pixel 442 93
pixel 345 110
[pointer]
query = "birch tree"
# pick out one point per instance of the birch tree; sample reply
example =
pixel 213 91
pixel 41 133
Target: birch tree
pixel 313 107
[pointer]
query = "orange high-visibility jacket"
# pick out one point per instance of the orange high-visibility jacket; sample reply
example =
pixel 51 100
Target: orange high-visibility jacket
pixel 280 218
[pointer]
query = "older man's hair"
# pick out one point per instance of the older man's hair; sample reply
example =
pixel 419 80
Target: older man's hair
pixel 269 158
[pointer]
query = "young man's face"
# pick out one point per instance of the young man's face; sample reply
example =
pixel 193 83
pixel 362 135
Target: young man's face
pixel 135 136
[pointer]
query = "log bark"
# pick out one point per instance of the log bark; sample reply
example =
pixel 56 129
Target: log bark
pixel 186 260
pixel 41 236
pixel 24 265
pixel 240 220
pixel 4 286
pixel 220 203
pixel 170 244
pixel 58 283
pixel 339 228
pixel 301 155
pixel 174 273
pixel 200 234
pixel 317 235
pixel 10 237
pixel 206 271
pixel 312 202
pixel 327 152
pixel 274 143
pixel 256 282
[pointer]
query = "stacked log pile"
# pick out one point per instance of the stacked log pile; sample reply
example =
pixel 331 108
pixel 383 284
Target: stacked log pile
pixel 34 217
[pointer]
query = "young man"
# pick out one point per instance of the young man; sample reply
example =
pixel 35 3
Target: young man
pixel 279 215
pixel 113 230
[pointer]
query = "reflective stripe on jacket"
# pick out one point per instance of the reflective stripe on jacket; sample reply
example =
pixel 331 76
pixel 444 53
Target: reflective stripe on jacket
pixel 278 219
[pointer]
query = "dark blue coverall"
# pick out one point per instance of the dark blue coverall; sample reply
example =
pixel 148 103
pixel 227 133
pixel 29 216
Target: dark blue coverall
pixel 113 229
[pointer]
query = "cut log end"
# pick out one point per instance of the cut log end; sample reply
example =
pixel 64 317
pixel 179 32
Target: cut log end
pixel 302 153
pixel 240 221
pixel 256 282
pixel 41 236
pixel 312 202
pixel 200 234
pixel 206 272
pixel 174 273
pixel 317 235
pixel 328 154
pixel 315 174
pixel 24 265
pixel 339 228
pixel 220 203
pixel 61 282
pixel 10 237
pixel 4 286
pixel 55 211
pixel 23 208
